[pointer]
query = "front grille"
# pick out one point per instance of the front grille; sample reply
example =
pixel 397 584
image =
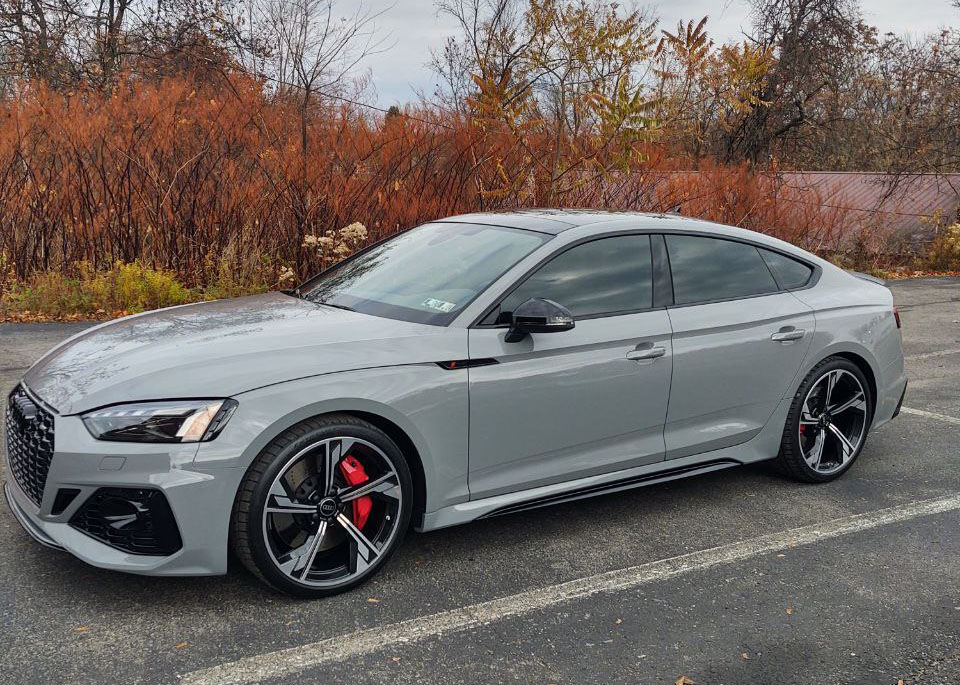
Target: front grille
pixel 135 520
pixel 29 443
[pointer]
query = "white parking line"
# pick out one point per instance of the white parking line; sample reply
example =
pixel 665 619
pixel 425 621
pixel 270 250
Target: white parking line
pixel 288 661
pixel 930 415
pixel 931 355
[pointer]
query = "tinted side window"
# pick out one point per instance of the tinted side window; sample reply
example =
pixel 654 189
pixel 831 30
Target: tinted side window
pixel 706 269
pixel 600 277
pixel 789 272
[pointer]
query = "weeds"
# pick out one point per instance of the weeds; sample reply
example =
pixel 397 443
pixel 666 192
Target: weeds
pixel 945 250
pixel 125 288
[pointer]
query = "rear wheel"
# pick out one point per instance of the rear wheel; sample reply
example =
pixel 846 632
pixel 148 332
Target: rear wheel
pixel 828 422
pixel 323 507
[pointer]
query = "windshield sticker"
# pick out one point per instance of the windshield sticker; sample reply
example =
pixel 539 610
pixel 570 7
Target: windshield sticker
pixel 439 305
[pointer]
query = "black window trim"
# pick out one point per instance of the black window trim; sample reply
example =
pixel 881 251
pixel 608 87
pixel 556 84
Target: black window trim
pixel 790 257
pixel 662 278
pixel 656 263
pixel 662 273
pixel 811 282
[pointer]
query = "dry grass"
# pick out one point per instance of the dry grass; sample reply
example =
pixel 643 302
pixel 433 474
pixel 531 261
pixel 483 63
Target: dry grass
pixel 122 289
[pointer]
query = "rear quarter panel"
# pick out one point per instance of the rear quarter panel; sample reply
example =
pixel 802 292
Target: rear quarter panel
pixel 856 316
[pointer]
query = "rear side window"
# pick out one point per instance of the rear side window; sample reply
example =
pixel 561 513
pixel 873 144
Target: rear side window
pixel 789 272
pixel 600 277
pixel 707 269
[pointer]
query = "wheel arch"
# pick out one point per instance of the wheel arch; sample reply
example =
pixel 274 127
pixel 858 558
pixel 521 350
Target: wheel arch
pixel 394 425
pixel 867 370
pixel 410 452
pixel 860 357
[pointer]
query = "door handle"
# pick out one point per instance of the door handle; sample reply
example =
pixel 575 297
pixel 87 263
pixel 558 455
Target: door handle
pixel 646 353
pixel 788 334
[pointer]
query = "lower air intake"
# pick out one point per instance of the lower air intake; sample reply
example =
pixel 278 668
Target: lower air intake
pixel 135 520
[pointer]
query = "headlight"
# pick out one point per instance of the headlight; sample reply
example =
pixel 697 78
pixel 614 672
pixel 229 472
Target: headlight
pixel 174 421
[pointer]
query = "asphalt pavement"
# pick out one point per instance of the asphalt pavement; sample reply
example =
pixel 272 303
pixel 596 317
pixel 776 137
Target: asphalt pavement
pixel 734 577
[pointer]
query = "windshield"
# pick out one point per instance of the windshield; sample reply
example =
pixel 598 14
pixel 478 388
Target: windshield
pixel 426 275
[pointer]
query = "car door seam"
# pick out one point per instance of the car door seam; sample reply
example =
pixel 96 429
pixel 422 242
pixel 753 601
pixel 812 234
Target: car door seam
pixel 673 363
pixel 791 389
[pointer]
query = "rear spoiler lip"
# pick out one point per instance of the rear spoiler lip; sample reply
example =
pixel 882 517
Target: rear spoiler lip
pixel 866 277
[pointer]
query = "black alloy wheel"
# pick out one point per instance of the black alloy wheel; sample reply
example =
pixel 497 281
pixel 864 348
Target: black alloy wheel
pixel 323 506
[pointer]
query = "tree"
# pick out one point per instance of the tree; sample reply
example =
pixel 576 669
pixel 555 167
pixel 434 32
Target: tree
pixel 67 43
pixel 812 41
pixel 556 88
pixel 705 91
pixel 35 39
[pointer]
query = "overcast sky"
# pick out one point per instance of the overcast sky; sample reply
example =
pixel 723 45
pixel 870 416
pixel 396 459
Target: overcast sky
pixel 412 28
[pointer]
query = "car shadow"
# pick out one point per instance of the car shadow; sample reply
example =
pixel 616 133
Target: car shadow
pixel 445 551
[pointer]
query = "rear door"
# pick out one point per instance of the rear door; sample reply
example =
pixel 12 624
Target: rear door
pixel 559 406
pixel 738 340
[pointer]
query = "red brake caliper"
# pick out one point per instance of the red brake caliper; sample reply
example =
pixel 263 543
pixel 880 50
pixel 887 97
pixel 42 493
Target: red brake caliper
pixel 354 474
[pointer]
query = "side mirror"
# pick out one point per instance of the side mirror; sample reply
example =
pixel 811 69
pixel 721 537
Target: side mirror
pixel 538 316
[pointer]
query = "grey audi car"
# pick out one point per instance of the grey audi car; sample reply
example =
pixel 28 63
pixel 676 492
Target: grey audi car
pixel 471 367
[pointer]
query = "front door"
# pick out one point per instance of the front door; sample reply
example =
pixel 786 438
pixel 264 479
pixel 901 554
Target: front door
pixel 560 406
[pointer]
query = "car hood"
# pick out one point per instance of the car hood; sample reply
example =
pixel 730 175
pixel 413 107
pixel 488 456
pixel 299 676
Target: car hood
pixel 219 349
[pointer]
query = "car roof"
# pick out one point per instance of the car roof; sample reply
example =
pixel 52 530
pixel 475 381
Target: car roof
pixel 555 221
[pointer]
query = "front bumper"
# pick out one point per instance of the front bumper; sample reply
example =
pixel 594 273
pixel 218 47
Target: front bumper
pixel 35 531
pixel 200 499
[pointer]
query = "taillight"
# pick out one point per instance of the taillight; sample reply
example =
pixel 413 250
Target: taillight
pixel 896 315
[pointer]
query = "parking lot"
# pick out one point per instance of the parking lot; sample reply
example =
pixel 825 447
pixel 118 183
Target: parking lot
pixel 734 577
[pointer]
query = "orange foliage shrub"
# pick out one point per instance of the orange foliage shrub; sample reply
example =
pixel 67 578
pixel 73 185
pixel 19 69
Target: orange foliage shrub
pixel 179 178
pixel 184 178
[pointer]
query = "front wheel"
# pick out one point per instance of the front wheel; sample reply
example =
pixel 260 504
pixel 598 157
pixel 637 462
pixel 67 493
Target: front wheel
pixel 323 507
pixel 828 422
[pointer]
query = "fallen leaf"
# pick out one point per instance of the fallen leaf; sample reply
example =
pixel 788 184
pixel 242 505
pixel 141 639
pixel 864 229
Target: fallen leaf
pixel 684 680
pixel 81 629
pixel 182 645
pixel 395 659
pixel 619 621
pixel 745 656
pixel 789 611
pixel 373 600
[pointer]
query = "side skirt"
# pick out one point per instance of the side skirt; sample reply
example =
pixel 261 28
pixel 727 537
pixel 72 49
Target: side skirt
pixel 615 486
pixel 546 495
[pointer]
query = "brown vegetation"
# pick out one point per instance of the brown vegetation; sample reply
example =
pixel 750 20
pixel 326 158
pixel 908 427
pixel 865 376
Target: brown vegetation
pixel 209 162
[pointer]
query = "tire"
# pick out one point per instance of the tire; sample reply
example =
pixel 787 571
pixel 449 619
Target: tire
pixel 301 532
pixel 799 457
